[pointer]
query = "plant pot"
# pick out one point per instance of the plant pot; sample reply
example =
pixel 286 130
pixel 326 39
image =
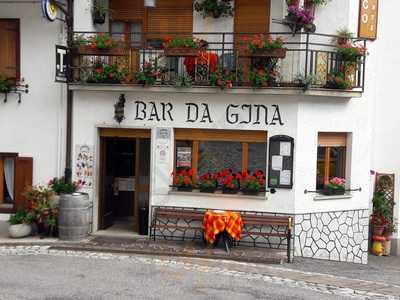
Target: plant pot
pixel 250 192
pixel 181 52
pixel 184 188
pixel 229 191
pixel 333 192
pixel 99 18
pixel 19 230
pixel 208 190
pixel 377 230
pixel 342 41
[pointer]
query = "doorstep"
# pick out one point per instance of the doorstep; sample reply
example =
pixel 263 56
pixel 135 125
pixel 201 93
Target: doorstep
pixel 142 245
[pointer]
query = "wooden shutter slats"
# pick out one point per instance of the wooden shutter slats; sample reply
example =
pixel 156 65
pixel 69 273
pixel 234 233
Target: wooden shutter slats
pixel 221 135
pixel 252 16
pixel 132 10
pixel 9 39
pixel 332 139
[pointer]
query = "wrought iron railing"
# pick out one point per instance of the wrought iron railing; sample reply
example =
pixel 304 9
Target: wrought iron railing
pixel 309 61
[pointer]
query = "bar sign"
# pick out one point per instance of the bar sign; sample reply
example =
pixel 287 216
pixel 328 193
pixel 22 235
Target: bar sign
pixel 368 19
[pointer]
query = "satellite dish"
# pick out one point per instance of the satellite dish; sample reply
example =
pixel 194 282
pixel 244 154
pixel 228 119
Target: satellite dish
pixel 49 10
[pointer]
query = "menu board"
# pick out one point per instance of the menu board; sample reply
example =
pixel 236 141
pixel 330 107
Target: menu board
pixel 280 167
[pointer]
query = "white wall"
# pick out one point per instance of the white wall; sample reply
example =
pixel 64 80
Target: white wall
pixel 386 142
pixel 34 127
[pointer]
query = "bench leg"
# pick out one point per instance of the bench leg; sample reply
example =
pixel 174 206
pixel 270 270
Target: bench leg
pixel 289 237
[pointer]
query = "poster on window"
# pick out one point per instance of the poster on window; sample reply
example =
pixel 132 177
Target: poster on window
pixel 183 157
pixel 84 165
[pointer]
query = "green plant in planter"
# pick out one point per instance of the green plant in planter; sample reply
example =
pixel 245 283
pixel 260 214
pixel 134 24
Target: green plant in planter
pixel 60 186
pixel 21 217
pixel 208 182
pixel 183 81
pixel 344 35
pixel 214 8
pixel 105 73
pixel 5 84
pixel 259 78
pixel 100 11
pixel 337 80
pixel 149 73
pixel 222 78
pixel 182 43
pixel 251 183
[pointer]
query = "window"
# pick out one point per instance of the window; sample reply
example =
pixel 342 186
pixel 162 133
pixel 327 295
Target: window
pixel 206 150
pixel 331 158
pixel 15 176
pixel 129 32
pixel 9 48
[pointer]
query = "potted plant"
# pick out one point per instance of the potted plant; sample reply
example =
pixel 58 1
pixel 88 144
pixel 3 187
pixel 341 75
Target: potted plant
pixel 344 36
pixel 228 181
pixel 44 216
pixel 312 4
pixel 182 47
pixel 387 233
pixel 259 78
pixel 262 45
pixel 149 74
pixel 99 12
pixel 183 180
pixel 251 184
pixel 5 84
pixel 382 214
pixel 298 18
pixel 208 183
pixel 20 224
pixel 222 78
pixel 335 186
pixel 61 186
pixel 338 80
pixel 109 73
pixel 349 52
pixel 378 223
pixel 214 8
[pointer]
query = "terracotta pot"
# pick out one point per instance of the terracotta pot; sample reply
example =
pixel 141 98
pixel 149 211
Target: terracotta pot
pixel 377 230
pixel 387 247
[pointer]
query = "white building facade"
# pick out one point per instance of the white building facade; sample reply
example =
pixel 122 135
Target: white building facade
pixel 216 128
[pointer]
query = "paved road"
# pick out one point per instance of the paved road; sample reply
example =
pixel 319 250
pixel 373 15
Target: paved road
pixel 31 274
pixel 56 277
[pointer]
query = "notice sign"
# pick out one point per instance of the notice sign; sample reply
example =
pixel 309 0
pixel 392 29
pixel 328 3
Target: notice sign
pixel 368 19
pixel 61 63
pixel 183 157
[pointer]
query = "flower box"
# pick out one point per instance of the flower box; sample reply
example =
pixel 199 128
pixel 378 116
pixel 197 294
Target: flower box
pixel 209 190
pixel 184 188
pixel 268 53
pixel 181 52
pixel 229 191
pixel 87 50
pixel 250 192
pixel 333 192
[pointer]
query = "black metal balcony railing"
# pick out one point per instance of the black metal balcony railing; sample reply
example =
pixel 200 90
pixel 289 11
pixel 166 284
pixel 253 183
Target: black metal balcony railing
pixel 309 61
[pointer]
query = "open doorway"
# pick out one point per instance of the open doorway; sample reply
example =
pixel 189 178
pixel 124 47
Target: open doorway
pixel 124 181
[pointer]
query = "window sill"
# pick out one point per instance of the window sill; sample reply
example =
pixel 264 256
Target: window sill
pixel 321 197
pixel 217 194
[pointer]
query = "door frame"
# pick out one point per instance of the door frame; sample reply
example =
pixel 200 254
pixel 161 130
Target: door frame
pixel 116 133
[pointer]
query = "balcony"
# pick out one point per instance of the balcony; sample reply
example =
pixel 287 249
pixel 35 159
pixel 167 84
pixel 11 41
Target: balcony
pixel 274 63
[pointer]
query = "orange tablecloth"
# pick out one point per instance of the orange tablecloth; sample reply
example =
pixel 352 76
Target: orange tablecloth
pixel 215 222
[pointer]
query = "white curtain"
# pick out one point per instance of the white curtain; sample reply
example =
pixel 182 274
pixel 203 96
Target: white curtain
pixel 9 176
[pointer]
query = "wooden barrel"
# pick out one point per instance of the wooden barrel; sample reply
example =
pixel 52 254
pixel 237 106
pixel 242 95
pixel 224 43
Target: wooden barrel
pixel 74 217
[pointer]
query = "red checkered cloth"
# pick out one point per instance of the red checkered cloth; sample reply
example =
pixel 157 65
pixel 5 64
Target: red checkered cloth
pixel 216 222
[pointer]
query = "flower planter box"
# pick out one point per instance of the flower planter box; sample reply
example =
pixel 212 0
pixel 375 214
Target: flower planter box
pixel 333 192
pixel 268 53
pixel 229 191
pixel 107 81
pixel 181 52
pixel 184 188
pixel 208 190
pixel 87 50
pixel 250 192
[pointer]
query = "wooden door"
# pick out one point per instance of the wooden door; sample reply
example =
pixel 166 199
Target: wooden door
pixel 106 185
pixel 23 179
pixel 9 48
pixel 142 183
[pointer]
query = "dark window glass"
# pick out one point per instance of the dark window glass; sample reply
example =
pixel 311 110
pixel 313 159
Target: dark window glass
pixel 257 157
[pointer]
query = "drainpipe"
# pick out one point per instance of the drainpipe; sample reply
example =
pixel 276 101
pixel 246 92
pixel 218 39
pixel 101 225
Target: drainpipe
pixel 70 96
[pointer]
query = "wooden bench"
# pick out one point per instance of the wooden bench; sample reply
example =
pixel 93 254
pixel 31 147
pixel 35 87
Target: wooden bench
pixel 161 214
pixel 253 221
pixel 253 224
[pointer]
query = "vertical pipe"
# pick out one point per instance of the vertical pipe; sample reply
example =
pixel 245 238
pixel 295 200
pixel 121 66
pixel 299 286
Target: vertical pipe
pixel 306 62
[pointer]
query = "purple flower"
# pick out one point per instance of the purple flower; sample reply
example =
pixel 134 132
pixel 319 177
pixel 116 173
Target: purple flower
pixel 300 15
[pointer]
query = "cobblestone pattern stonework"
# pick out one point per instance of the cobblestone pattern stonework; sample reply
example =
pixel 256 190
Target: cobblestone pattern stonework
pixel 340 236
pixel 325 288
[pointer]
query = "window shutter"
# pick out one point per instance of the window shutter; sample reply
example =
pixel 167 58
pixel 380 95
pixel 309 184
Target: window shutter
pixel 332 139
pixel 9 39
pixel 23 179
pixel 123 10
pixel 252 16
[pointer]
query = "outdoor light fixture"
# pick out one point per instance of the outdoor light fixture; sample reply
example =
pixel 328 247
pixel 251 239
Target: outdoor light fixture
pixel 119 109
pixel 150 3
